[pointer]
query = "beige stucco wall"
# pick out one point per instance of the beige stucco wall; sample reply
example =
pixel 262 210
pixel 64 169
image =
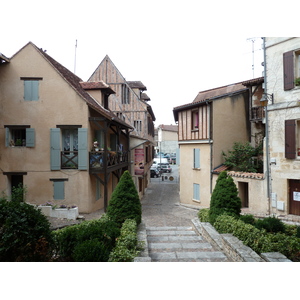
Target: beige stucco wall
pixel 189 176
pixel 229 125
pixel 59 104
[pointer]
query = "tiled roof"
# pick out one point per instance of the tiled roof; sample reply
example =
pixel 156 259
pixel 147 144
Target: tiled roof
pixel 95 85
pixel 75 83
pixel 246 175
pixel 253 81
pixel 169 127
pixel 145 97
pixel 220 168
pixel 137 85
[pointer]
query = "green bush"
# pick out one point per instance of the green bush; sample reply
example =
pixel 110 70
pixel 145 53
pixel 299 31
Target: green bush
pixel 203 215
pixel 127 247
pixel 224 198
pixel 91 251
pixel 259 240
pixel 25 233
pixel 125 203
pixel 298 232
pixel 69 238
pixel 270 224
pixel 248 219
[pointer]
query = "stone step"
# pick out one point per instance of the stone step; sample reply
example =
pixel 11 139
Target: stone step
pixel 180 244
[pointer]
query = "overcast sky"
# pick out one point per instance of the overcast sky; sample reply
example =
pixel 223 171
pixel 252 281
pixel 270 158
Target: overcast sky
pixel 176 48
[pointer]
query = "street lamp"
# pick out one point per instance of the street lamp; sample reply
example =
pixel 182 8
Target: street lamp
pixel 266 98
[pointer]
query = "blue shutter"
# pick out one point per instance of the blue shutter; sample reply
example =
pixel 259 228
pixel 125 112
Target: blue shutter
pixel 59 190
pixel 196 158
pixel 35 90
pixel 31 90
pixel 30 137
pixel 82 149
pixel 7 137
pixel 27 90
pixel 55 148
pixel 196 193
pixel 178 156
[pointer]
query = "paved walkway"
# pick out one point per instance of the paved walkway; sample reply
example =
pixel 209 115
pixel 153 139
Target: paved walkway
pixel 171 235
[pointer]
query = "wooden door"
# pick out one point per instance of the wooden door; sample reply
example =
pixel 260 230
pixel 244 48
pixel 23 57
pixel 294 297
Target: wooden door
pixel 294 195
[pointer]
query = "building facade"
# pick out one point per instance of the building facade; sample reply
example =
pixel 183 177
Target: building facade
pixel 130 103
pixel 282 85
pixel 49 125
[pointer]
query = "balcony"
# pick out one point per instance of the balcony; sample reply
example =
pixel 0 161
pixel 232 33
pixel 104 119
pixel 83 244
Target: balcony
pixel 69 159
pixel 257 113
pixel 109 160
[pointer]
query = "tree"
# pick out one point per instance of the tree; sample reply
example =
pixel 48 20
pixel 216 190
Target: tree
pixel 224 198
pixel 125 202
pixel 240 158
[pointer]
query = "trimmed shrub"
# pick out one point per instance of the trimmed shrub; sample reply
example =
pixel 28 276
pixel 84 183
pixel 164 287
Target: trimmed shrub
pixel 25 233
pixel 125 203
pixel 248 219
pixel 91 251
pixel 69 238
pixel 127 247
pixel 270 224
pixel 259 240
pixel 203 215
pixel 224 198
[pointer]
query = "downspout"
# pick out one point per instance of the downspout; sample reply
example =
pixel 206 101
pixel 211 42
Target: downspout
pixel 210 143
pixel 267 131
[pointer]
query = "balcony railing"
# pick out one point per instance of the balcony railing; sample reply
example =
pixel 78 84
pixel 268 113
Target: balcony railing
pixel 69 159
pixel 97 159
pixel 257 113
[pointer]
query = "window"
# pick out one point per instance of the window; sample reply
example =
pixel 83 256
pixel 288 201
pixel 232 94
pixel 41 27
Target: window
pixel 196 154
pixel 59 188
pixel 291 69
pixel 31 88
pixel 195 120
pixel 125 94
pixel 68 148
pixel 196 192
pixel 292 139
pixel 138 126
pixel 19 136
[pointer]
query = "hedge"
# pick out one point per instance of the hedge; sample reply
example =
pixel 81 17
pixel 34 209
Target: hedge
pixel 127 246
pixel 259 240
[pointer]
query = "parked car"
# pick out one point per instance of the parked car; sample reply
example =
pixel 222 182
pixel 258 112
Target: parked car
pixel 154 173
pixel 165 168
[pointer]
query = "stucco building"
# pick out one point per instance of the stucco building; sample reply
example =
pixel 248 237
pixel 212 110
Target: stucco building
pixel 209 126
pixel 49 122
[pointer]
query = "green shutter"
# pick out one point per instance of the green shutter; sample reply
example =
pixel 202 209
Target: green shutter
pixel 55 148
pixel 82 149
pixel 30 137
pixel 27 90
pixel 59 190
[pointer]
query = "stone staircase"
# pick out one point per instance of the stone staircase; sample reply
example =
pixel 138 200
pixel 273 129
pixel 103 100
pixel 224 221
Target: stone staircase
pixel 180 244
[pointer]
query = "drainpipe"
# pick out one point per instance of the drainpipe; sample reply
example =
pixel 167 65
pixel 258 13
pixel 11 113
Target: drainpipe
pixel 208 103
pixel 267 132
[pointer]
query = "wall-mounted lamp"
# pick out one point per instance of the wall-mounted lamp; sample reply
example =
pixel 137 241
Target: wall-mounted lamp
pixel 264 101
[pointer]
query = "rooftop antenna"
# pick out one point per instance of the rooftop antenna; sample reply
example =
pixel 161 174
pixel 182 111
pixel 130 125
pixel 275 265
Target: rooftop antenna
pixel 75 57
pixel 253 41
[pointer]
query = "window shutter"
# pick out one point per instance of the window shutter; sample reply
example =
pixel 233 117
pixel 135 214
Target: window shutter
pixel 290 139
pixel 35 90
pixel 196 194
pixel 30 137
pixel 7 137
pixel 27 90
pixel 59 190
pixel 178 156
pixel 82 149
pixel 55 148
pixel 288 70
pixel 196 158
